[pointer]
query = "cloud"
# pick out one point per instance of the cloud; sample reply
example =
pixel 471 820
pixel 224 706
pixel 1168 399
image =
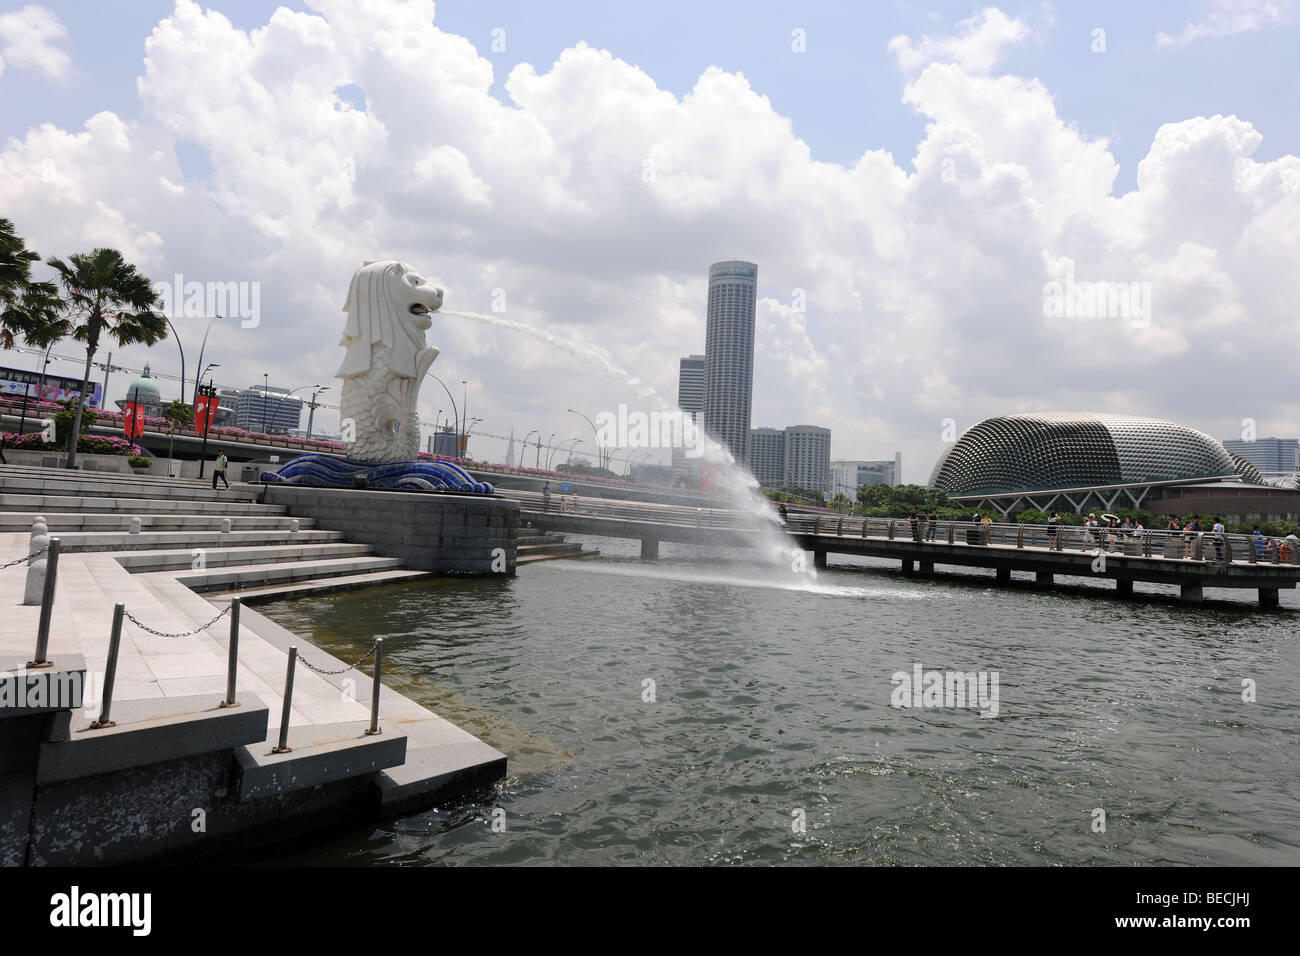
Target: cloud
pixel 591 203
pixel 977 46
pixel 1230 17
pixel 26 41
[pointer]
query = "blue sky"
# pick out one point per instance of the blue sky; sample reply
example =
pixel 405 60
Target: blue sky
pixel 842 94
pixel 1013 151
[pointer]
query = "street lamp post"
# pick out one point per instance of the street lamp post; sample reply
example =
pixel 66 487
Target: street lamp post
pixel 22 420
pixel 600 457
pixel 523 462
pixel 454 413
pixel 209 391
pixel 177 337
pixel 311 416
pixel 198 378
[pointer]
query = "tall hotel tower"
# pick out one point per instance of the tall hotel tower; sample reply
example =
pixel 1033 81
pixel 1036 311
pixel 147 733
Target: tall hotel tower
pixel 729 354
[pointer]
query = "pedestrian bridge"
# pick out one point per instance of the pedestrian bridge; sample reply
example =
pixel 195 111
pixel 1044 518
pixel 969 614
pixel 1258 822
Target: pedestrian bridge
pixel 1190 562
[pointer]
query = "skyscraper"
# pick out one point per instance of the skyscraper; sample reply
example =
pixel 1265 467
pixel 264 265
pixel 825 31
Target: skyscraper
pixel 729 354
pixel 767 456
pixel 808 458
pixel 690 399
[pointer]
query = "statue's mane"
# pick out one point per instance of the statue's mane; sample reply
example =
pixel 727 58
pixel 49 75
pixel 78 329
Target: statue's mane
pixel 375 318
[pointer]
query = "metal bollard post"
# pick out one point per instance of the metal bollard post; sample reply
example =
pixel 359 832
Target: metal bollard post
pixel 283 747
pixel 110 672
pixel 225 526
pixel 47 606
pixel 374 694
pixel 293 526
pixel 135 526
pixel 1020 536
pixel 232 662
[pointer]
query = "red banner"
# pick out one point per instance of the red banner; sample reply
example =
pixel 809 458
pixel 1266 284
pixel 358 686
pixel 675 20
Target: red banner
pixel 205 410
pixel 132 420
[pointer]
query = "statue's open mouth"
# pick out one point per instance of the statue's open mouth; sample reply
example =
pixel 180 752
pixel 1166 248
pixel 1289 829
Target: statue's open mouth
pixel 418 308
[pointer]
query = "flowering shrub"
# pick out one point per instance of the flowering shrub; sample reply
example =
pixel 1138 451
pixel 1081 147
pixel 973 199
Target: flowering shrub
pixel 88 444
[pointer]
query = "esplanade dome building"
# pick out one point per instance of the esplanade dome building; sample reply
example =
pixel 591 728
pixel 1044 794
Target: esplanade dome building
pixel 1077 461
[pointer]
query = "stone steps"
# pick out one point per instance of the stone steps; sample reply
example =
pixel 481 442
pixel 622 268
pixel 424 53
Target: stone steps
pixel 149 731
pixel 20 521
pixel 260 575
pixel 162 540
pixel 318 754
pixel 88 504
pixel 183 559
pixel 340 582
pixel 38 481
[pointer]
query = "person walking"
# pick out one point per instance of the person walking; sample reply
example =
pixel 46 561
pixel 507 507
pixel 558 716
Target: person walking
pixel 219 471
pixel 933 524
pixel 546 496
pixel 1089 527
pixel 986 525
pixel 914 518
pixel 1219 531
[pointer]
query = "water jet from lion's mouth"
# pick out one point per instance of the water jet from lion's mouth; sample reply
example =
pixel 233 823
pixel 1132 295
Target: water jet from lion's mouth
pixel 739 484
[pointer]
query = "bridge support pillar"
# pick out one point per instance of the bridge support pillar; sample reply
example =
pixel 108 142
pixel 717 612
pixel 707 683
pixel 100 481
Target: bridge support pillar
pixel 1268 597
pixel 1123 588
pixel 649 549
pixel 1004 575
pixel 819 559
pixel 1044 579
pixel 1192 593
pixel 927 567
pixel 909 566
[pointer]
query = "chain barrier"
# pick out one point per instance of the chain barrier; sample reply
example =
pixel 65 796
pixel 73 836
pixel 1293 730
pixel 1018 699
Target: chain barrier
pixel 31 557
pixel 145 627
pixel 324 673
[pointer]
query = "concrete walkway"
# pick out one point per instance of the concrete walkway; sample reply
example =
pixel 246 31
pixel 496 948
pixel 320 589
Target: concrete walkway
pixel 152 667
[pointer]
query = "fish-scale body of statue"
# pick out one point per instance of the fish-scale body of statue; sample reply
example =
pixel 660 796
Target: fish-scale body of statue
pixel 388 307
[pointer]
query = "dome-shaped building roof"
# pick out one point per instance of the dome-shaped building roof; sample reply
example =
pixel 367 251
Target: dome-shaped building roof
pixel 1048 450
pixel 144 389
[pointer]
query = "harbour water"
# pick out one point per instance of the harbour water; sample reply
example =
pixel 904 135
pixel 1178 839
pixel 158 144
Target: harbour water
pixel 705 710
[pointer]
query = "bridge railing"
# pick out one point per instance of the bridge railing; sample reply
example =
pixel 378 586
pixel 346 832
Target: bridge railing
pixel 1204 546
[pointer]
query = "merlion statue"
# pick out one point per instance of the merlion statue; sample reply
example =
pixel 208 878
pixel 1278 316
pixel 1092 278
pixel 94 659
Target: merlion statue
pixel 388 307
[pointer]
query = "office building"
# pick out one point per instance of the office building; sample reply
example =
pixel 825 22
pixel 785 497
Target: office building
pixel 767 456
pixel 268 410
pixel 1274 457
pixel 808 458
pixel 729 355
pixel 690 399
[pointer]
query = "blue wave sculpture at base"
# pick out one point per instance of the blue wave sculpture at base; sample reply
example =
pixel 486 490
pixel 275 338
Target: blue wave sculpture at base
pixel 331 471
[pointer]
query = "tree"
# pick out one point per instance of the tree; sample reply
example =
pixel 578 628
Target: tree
pixel 27 308
pixel 179 414
pixel 874 496
pixel 106 296
pixel 841 502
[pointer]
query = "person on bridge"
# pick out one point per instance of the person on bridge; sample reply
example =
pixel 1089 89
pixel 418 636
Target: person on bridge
pixel 933 523
pixel 913 518
pixel 1052 520
pixel 546 496
pixel 1089 529
pixel 219 471
pixel 1219 531
pixel 986 525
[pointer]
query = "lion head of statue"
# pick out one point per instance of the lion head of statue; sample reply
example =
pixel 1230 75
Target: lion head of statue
pixel 389 304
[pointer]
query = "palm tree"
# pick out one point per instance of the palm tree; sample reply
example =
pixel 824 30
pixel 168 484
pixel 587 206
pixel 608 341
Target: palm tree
pixel 27 308
pixel 106 296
